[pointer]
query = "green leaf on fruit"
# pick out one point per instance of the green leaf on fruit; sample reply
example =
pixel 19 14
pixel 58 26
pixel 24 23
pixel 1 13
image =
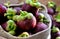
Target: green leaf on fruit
pixel 11 25
pixel 10 13
pixel 51 4
pixel 23 15
pixel 33 3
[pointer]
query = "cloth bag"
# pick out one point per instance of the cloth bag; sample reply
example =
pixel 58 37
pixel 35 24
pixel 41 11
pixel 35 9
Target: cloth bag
pixel 40 35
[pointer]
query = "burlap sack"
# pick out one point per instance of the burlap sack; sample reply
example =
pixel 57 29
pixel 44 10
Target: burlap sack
pixel 40 35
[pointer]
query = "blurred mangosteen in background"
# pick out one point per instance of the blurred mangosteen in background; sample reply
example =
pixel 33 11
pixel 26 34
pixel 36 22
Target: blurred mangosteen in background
pixel 17 10
pixel 31 6
pixel 52 5
pixel 2 12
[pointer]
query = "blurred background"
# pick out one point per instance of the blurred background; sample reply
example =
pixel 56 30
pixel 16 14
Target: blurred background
pixel 42 1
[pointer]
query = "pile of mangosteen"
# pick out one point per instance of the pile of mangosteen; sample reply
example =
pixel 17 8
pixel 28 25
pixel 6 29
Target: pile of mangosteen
pixel 54 12
pixel 23 21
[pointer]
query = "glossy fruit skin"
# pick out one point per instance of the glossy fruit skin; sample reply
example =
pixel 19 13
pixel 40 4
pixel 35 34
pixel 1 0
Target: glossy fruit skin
pixel 27 24
pixel 40 27
pixel 54 8
pixel 17 10
pixel 4 25
pixel 29 8
pixel 52 5
pixel 37 17
pixel 57 34
pixel 54 35
pixel 57 24
pixel 50 11
pixel 2 10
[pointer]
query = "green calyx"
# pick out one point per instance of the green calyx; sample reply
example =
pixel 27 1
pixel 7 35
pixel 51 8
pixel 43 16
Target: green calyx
pixel 23 15
pixel 34 3
pixel 57 37
pixel 45 21
pixel 12 32
pixel 57 17
pixel 51 4
pixel 15 17
pixel 41 16
pixel 10 13
pixel 55 29
pixel 24 34
pixel 11 25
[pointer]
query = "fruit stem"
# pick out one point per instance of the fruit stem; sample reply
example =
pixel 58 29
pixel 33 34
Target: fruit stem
pixel 23 13
pixel 26 14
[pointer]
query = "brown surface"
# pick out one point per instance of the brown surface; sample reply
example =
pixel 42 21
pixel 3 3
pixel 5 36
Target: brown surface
pixel 42 1
pixel 45 2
